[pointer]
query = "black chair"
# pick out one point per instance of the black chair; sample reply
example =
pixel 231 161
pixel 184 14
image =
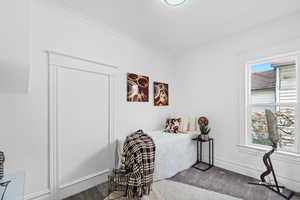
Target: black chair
pixel 274 138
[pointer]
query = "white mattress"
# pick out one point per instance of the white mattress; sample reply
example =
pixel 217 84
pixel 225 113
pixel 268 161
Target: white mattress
pixel 174 152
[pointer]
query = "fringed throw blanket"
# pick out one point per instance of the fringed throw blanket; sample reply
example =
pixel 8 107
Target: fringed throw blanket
pixel 139 152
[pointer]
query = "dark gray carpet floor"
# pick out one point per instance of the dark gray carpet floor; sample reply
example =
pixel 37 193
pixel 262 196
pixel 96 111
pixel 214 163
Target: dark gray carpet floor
pixel 215 179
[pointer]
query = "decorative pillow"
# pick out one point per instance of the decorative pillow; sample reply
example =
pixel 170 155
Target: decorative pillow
pixel 172 125
pixel 184 124
pixel 197 128
pixel 192 124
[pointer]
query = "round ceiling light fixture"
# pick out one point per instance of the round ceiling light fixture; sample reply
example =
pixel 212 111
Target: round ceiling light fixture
pixel 174 2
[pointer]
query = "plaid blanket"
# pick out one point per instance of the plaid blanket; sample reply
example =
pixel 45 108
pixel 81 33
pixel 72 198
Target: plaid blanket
pixel 139 152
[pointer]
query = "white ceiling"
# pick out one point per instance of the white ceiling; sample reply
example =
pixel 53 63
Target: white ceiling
pixel 193 23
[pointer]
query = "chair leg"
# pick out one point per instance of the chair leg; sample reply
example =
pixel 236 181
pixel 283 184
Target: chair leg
pixel 274 187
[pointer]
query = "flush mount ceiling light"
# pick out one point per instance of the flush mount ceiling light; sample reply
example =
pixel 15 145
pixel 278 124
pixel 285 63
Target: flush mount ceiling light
pixel 174 2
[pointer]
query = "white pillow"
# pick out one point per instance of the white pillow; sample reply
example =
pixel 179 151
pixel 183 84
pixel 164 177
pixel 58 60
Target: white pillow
pixel 192 125
pixel 184 124
pixel 197 128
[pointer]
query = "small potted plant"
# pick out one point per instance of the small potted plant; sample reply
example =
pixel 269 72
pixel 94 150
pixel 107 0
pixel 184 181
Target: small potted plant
pixel 204 132
pixel 204 129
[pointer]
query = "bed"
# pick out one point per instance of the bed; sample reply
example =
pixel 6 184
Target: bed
pixel 174 152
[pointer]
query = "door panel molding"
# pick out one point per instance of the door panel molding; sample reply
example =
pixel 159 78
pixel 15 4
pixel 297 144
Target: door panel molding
pixel 57 61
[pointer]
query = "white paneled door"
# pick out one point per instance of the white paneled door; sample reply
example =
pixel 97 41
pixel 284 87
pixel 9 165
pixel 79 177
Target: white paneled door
pixel 81 123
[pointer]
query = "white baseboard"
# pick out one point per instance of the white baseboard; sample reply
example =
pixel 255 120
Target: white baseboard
pixel 82 184
pixel 85 183
pixel 248 171
pixel 42 195
pixel 71 188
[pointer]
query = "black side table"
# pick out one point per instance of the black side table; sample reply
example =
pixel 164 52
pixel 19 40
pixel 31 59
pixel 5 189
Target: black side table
pixel 118 183
pixel 210 164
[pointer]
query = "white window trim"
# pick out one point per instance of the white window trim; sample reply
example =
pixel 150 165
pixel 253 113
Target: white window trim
pixel 244 144
pixel 292 158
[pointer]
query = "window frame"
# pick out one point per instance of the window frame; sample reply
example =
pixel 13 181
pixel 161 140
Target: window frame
pixel 246 138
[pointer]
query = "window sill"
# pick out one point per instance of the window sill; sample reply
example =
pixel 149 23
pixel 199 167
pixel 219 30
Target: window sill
pixel 289 157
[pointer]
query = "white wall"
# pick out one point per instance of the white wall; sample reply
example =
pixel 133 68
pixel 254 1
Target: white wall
pixel 14 48
pixel 208 83
pixel 24 117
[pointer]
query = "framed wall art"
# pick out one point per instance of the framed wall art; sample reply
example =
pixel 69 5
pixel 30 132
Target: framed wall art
pixel 161 94
pixel 137 88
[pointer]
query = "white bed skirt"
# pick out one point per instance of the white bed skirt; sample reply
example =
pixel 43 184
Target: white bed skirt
pixel 174 152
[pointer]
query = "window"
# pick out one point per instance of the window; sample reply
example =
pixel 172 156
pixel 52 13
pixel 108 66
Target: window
pixel 272 84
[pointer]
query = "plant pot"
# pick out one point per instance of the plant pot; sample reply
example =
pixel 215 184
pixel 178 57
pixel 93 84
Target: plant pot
pixel 204 136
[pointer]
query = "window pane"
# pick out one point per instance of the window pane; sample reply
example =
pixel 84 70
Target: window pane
pixel 273 82
pixel 259 129
pixel 263 83
pixel 286 126
pixel 286 90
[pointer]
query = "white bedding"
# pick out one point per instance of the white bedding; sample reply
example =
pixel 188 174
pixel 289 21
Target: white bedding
pixel 174 152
